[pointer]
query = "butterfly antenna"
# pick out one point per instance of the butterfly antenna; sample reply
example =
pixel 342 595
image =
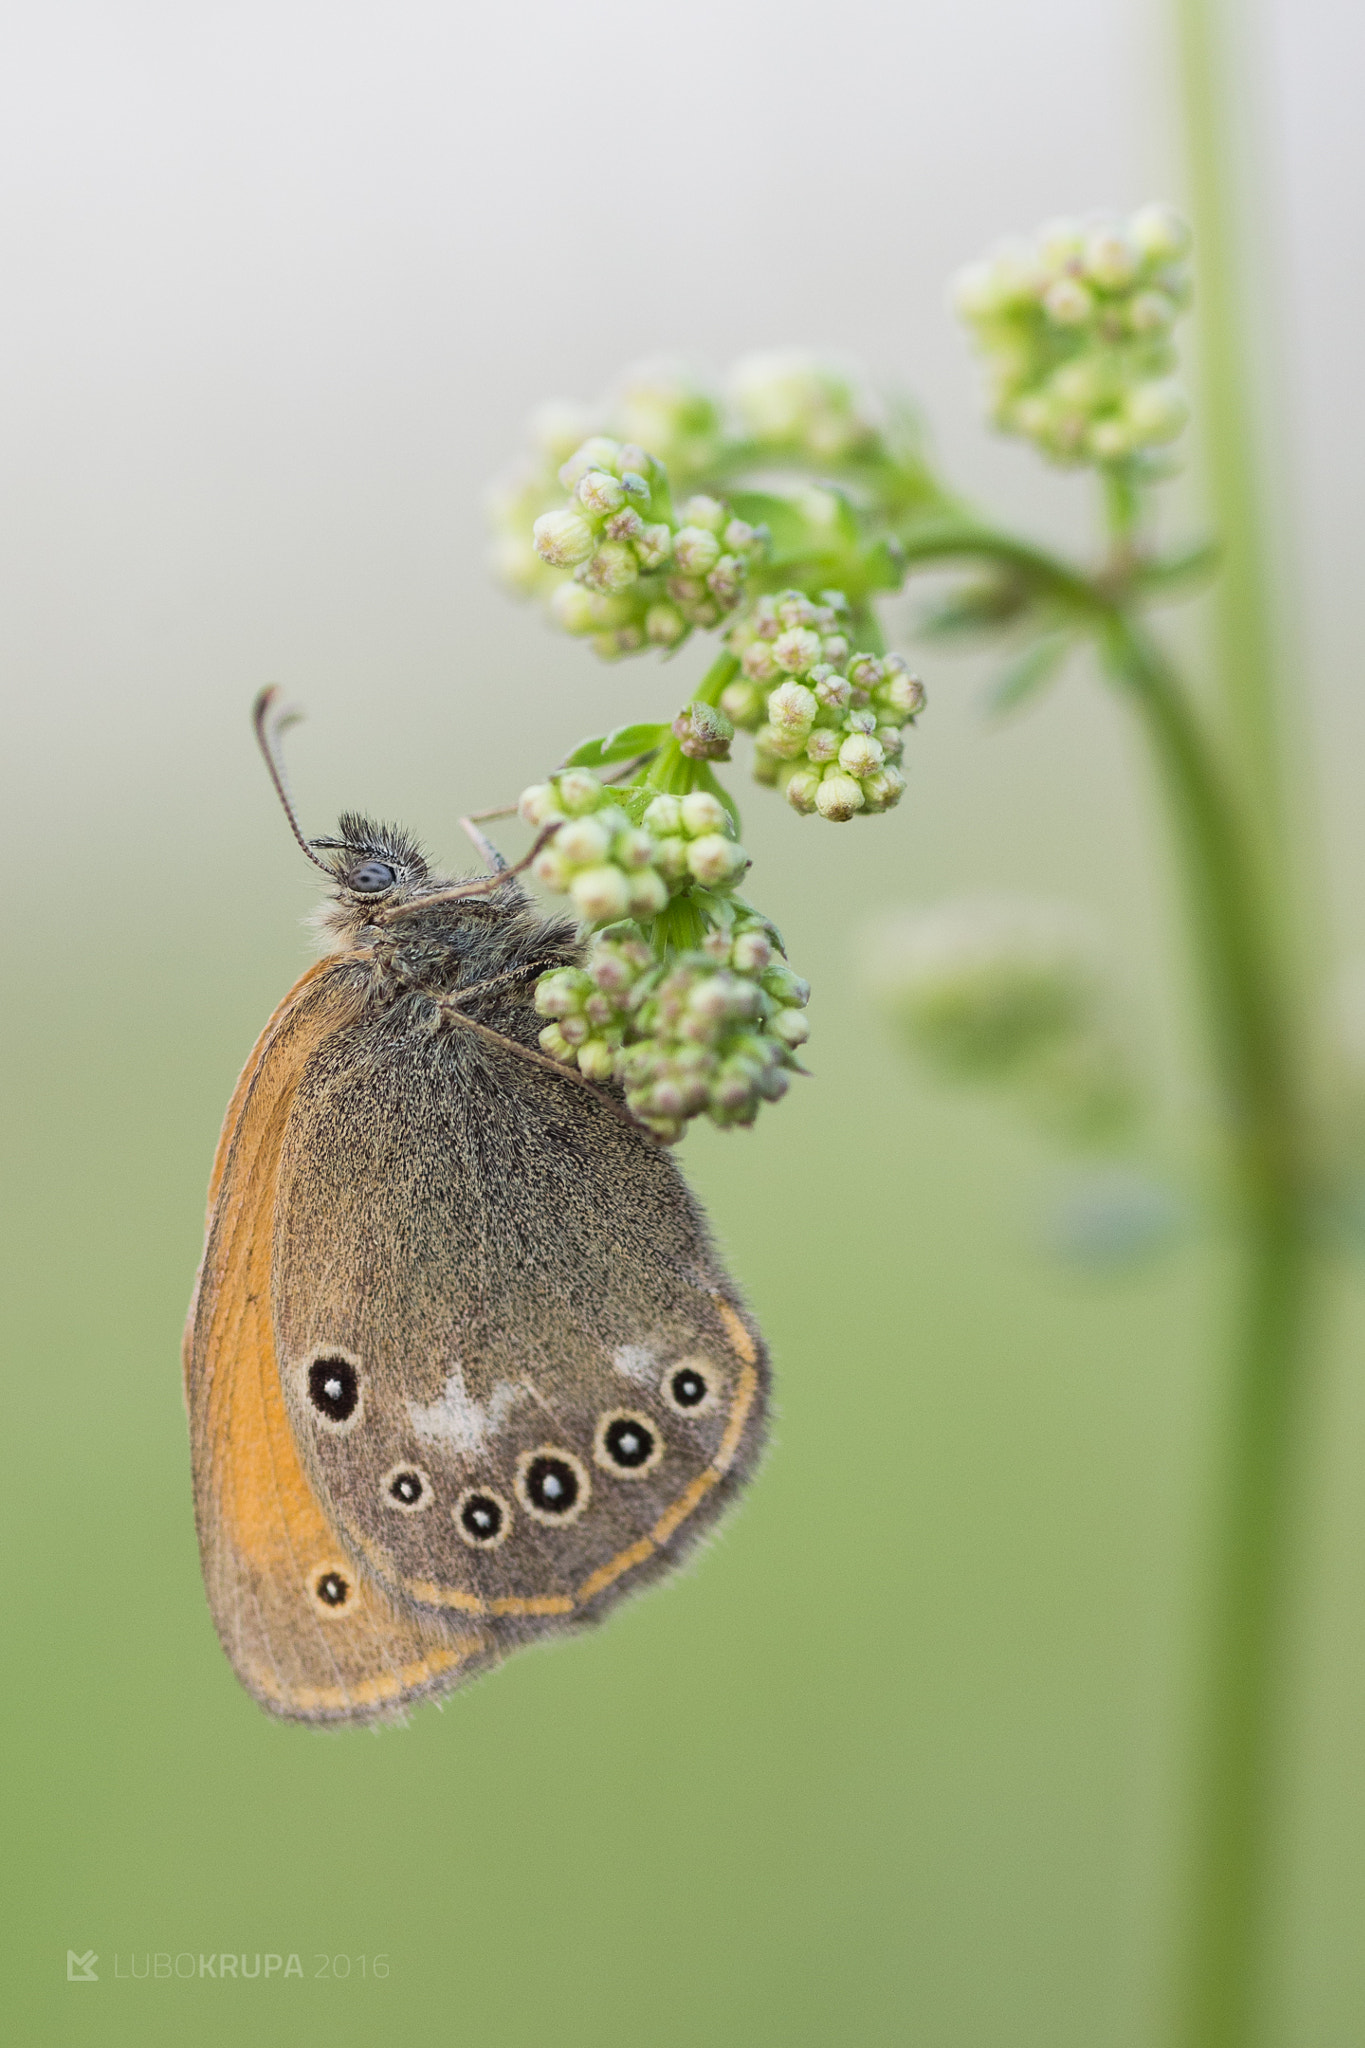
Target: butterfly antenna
pixel 271 719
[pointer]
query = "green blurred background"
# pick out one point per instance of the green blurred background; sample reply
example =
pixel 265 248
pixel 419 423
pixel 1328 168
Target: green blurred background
pixel 899 1759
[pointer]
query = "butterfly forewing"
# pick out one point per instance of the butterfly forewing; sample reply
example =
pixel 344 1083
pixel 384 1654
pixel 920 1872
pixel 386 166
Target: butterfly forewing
pixel 311 1635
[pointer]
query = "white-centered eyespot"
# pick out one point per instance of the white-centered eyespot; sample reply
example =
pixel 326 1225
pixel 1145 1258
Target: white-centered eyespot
pixel 626 1444
pixel 692 1386
pixel 333 1388
pixel 552 1485
pixel 406 1488
pixel 331 1587
pixel 483 1518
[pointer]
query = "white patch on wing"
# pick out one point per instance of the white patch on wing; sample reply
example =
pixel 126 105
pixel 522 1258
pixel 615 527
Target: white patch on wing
pixel 636 1361
pixel 461 1421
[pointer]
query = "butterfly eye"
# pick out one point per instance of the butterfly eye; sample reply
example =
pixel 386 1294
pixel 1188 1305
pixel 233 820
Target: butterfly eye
pixel 372 879
pixel 334 1389
pixel 627 1445
pixel 482 1518
pixel 407 1488
pixel 689 1386
pixel 552 1485
pixel 331 1589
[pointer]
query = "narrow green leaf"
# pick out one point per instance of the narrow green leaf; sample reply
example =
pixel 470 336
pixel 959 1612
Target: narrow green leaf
pixel 1028 674
pixel 619 745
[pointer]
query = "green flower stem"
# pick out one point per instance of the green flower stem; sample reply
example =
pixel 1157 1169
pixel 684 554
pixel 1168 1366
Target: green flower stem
pixel 1252 1532
pixel 1268 1152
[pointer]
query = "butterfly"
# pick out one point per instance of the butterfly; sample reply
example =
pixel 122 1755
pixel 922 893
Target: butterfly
pixel 462 1365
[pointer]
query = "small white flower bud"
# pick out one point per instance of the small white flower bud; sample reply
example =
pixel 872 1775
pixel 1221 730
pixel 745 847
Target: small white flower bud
pixel 550 870
pixel 537 805
pixel 1060 243
pixel 626 525
pixel 789 1025
pixel 884 789
pixel 866 672
pixel 696 551
pixel 713 859
pixel 792 708
pixel 1110 258
pixel 553 1041
pixel 613 567
pixel 1156 411
pixel 707 512
pixel 600 893
pixel 1159 233
pixel 596 1060
pixel 654 545
pixel 562 538
pixel 739 536
pixel 575 1029
pixel 1150 312
pixel 860 754
pixel 597 452
pixel 823 744
pixel 1068 303
pixel 670 857
pixel 751 952
pixel 801 789
pixel 742 704
pixel 903 694
pixel 838 797
pixel 632 850
pixel 833 690
pixel 583 842
pixel 579 792
pixel 794 608
pixel 726 580
pixel 797 649
pixel 573 609
pixel 647 893
pixel 664 625
pixel 663 817
pixel 559 995
pixel 757 662
pixel 700 813
pixel 782 746
pixel 600 493
pixel 892 741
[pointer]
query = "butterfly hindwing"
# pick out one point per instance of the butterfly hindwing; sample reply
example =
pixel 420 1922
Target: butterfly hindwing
pixel 513 1364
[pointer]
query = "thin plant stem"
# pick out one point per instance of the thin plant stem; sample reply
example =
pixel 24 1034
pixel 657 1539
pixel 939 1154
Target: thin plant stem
pixel 1252 1513
pixel 1244 638
pixel 1252 1519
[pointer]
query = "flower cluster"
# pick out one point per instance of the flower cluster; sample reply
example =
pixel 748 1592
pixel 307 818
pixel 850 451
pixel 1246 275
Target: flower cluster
pixel 793 402
pixel 828 724
pixel 710 1032
pixel 614 866
pixel 1076 331
pixel 640 575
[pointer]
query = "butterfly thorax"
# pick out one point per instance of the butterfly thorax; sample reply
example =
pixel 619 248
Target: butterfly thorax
pixel 418 939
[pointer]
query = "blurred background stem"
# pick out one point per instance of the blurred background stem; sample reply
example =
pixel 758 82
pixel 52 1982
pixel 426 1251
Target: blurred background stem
pixel 1244 1637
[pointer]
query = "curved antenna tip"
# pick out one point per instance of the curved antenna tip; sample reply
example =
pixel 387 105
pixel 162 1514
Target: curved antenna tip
pixel 271 718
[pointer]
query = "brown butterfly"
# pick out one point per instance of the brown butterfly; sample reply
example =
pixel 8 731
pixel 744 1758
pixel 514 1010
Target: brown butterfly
pixel 462 1365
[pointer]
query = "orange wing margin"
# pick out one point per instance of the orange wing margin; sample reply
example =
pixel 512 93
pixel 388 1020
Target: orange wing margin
pixel 269 1550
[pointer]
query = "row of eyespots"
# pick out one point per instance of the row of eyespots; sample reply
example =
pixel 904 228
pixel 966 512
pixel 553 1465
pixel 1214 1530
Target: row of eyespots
pixel 551 1483
pixel 335 1392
